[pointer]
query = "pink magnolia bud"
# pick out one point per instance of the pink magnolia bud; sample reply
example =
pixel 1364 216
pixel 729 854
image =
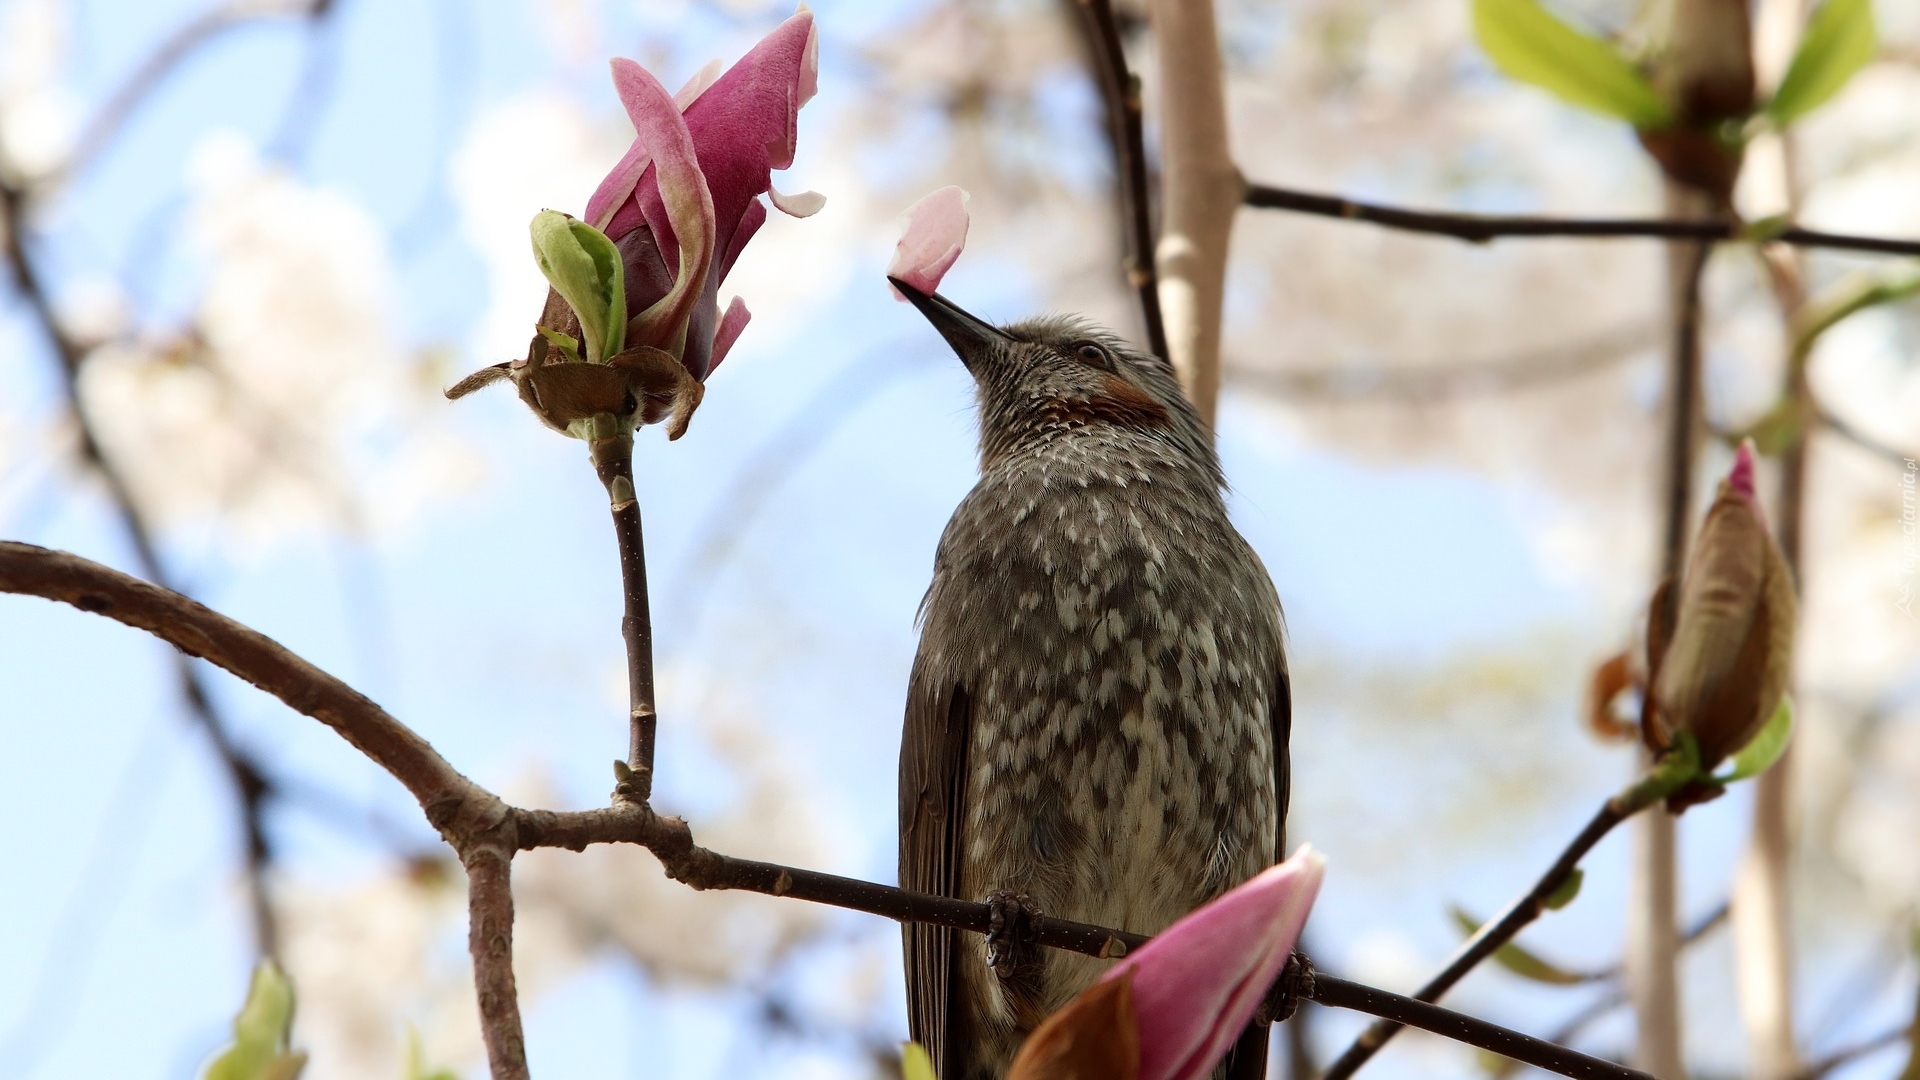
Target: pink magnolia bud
pixel 1722 674
pixel 1192 988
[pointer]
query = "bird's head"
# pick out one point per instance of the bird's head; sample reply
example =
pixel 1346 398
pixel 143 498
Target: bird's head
pixel 1059 375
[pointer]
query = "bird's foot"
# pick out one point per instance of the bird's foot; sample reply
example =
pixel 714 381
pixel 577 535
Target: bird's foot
pixel 1293 986
pixel 1013 934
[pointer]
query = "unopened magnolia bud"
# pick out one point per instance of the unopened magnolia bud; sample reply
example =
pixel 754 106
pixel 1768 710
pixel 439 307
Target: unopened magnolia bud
pixel 1721 675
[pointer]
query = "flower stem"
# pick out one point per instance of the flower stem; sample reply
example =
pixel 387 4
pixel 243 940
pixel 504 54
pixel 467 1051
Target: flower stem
pixel 612 451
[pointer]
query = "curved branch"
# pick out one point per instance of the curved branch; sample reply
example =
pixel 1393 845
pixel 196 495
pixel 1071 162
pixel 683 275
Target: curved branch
pixel 486 831
pixel 197 630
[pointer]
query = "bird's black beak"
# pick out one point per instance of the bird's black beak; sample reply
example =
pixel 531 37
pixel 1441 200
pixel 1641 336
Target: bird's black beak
pixel 972 337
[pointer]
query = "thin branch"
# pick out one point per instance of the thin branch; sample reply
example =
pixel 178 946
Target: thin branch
pixel 250 782
pixel 1848 1055
pixel 1120 91
pixel 1420 383
pixel 1489 938
pixel 1481 228
pixel 613 463
pixel 1474 1032
pixel 486 831
pixel 161 63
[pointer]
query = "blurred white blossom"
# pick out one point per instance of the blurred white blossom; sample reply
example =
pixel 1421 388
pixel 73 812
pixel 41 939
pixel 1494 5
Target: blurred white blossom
pixel 290 402
pixel 39 115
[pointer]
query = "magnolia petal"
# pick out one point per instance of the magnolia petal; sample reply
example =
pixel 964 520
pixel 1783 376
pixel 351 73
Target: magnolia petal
pixel 1093 1037
pixel 708 74
pixel 808 84
pixel 750 223
pixel 935 231
pixel 1198 982
pixel 728 332
pixel 680 190
pixel 746 124
pixel 616 190
pixel 800 204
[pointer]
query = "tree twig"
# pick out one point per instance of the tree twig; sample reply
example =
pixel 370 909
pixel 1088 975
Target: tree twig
pixel 1467 1029
pixel 1120 91
pixel 252 787
pixel 486 831
pixel 1481 228
pixel 1846 1055
pixel 188 39
pixel 1489 938
pixel 613 463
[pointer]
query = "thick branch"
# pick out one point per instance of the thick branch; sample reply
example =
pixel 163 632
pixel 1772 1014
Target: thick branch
pixel 1489 938
pixel 489 864
pixel 197 630
pixel 1120 90
pixel 1481 228
pixel 1202 189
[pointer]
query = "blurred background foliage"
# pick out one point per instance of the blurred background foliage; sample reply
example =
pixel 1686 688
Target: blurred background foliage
pixel 267 235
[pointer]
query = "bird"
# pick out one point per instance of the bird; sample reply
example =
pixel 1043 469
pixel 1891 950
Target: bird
pixel 1098 715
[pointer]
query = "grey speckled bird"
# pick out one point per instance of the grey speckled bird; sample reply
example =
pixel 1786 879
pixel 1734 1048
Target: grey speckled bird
pixel 1097 722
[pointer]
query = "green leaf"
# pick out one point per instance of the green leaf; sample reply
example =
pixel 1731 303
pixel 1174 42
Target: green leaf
pixel 259 1050
pixel 1531 45
pixel 584 268
pixel 1851 295
pixel 1839 41
pixel 1765 748
pixel 1568 889
pixel 915 1064
pixel 1518 959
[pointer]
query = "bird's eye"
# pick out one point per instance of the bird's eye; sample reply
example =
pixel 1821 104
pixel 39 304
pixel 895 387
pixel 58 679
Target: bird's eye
pixel 1094 355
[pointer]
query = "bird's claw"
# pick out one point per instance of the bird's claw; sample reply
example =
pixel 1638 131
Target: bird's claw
pixel 1293 986
pixel 1013 932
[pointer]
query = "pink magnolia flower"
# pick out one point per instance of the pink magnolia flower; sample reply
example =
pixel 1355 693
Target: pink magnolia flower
pixel 685 198
pixel 1185 996
pixel 637 281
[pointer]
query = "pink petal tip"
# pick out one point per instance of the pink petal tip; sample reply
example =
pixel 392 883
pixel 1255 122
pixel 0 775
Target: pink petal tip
pixel 1741 476
pixel 936 231
pixel 1198 982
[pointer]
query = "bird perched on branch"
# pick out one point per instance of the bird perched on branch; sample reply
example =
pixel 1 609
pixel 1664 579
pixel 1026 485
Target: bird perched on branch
pixel 1097 722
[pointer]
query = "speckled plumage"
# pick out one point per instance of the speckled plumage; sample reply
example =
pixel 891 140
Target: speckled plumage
pixel 1098 713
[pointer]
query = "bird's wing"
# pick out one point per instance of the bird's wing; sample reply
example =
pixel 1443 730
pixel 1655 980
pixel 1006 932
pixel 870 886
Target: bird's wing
pixel 933 771
pixel 1282 720
pixel 1247 1060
